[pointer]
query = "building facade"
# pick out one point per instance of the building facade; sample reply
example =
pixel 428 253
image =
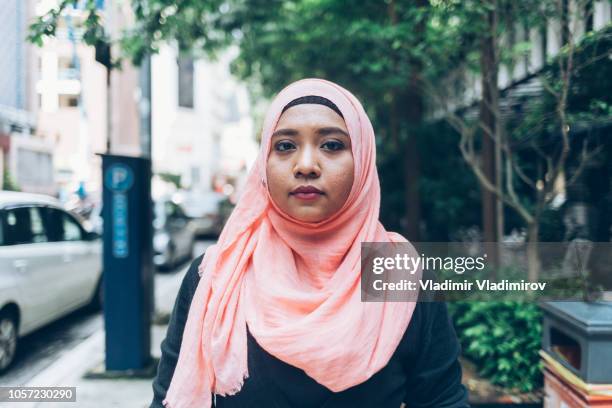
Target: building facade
pixel 202 127
pixel 26 160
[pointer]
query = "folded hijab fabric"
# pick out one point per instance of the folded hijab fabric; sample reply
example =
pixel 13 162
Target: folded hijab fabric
pixel 296 284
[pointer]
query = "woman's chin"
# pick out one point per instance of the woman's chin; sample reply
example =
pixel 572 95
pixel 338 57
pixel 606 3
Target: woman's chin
pixel 308 215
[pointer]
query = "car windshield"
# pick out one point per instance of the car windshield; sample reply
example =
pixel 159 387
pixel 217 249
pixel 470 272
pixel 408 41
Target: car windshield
pixel 162 210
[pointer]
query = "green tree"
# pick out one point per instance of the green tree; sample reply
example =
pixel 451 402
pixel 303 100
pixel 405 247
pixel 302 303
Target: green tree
pixel 543 135
pixel 378 50
pixel 8 183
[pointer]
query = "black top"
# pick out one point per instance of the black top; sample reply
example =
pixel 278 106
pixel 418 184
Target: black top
pixel 423 371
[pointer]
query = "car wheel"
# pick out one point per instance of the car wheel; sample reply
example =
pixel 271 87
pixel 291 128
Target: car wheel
pixel 97 301
pixel 8 340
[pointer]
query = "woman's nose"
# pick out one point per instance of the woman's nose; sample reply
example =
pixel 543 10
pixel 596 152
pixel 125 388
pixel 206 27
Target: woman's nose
pixel 307 164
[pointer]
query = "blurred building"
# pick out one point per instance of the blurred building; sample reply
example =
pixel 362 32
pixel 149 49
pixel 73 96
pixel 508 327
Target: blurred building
pixel 202 126
pixel 26 159
pixel 53 108
pixel 53 117
pixel 72 99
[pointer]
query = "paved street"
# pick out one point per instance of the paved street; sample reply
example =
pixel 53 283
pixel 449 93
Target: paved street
pixel 42 348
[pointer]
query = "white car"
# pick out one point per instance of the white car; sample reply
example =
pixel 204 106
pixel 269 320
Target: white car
pixel 173 235
pixel 204 208
pixel 49 266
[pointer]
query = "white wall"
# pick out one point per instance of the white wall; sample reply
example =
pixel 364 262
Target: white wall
pixel 200 142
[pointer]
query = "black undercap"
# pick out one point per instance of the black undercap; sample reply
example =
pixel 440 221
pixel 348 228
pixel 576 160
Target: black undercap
pixel 319 100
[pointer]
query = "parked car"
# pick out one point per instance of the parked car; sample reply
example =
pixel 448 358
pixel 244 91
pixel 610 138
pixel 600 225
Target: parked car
pixel 49 266
pixel 204 208
pixel 174 234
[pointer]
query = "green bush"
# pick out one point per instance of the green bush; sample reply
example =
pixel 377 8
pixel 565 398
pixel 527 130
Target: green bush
pixel 8 183
pixel 503 340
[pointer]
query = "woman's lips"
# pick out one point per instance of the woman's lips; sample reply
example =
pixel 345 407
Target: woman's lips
pixel 306 192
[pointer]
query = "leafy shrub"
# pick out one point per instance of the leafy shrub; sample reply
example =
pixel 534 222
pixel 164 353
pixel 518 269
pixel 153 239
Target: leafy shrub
pixel 503 340
pixel 8 183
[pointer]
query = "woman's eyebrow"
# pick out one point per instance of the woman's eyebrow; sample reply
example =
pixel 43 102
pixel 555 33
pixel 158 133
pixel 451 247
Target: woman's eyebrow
pixel 321 131
pixel 285 132
pixel 331 129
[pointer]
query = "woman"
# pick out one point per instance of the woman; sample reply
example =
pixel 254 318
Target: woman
pixel 272 315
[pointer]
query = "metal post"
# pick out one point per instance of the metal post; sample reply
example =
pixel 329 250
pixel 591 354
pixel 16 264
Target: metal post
pixel 145 106
pixel 109 116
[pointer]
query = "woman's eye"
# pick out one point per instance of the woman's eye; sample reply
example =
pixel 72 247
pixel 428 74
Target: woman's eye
pixel 333 145
pixel 283 146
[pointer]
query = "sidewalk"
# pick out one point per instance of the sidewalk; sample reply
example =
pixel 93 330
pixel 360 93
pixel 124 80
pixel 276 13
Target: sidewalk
pixel 69 370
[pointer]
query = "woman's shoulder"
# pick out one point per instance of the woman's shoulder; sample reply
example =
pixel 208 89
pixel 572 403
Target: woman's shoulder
pixel 191 278
pixel 193 267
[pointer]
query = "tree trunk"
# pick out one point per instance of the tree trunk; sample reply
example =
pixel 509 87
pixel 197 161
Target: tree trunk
pixel 393 116
pixel 412 173
pixel 412 102
pixel 489 109
pixel 533 254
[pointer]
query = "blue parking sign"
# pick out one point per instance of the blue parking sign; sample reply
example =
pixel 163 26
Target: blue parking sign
pixel 119 178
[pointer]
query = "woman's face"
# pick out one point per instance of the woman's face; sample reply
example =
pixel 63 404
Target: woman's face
pixel 310 166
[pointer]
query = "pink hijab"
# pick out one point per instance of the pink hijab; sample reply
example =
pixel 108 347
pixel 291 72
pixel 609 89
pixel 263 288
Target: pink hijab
pixel 296 284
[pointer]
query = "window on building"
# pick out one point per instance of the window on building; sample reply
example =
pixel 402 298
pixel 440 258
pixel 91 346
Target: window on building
pixel 67 68
pixel 65 62
pixel 185 82
pixel 34 167
pixel 68 101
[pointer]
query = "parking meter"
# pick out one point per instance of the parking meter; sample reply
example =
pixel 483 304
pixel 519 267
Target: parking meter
pixel 128 268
